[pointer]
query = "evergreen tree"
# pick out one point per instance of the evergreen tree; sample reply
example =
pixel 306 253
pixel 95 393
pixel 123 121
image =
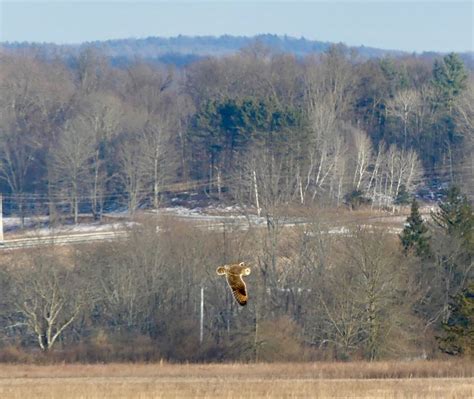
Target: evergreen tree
pixel 459 329
pixel 449 79
pixel 415 233
pixel 456 218
pixel 403 197
pixel 454 250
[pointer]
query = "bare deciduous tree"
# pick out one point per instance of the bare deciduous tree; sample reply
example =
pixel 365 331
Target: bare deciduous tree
pixel 377 276
pixel 323 147
pixel 402 106
pixel 132 173
pixel 102 115
pixel 70 163
pixel 48 295
pixel 363 148
pixel 158 156
pixel 32 103
pixel 464 116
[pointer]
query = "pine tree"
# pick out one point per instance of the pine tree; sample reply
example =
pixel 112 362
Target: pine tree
pixel 415 234
pixel 403 196
pixel 456 218
pixel 459 329
pixel 449 78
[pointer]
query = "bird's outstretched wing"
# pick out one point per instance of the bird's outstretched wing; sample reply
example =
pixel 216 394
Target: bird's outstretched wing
pixel 237 285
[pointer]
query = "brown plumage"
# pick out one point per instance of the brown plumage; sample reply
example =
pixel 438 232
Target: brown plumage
pixel 234 274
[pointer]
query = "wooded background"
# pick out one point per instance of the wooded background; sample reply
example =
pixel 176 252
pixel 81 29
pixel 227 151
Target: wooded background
pixel 271 132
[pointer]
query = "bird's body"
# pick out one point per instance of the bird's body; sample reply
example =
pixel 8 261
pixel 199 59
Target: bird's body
pixel 234 274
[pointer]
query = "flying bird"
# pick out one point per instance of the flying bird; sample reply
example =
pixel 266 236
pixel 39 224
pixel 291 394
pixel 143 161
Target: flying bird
pixel 234 274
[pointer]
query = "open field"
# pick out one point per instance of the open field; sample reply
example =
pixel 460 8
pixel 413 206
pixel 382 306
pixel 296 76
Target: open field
pixel 419 379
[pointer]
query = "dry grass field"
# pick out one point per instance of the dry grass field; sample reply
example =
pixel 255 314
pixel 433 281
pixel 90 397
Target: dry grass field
pixel 418 379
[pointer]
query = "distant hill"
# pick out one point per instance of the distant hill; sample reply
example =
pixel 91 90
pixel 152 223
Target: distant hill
pixel 182 50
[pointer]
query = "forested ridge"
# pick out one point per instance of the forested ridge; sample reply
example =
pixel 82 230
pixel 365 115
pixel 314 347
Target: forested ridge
pixel 182 50
pixel 331 125
pixel 271 132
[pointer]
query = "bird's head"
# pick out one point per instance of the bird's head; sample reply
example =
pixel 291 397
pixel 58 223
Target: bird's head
pixel 246 270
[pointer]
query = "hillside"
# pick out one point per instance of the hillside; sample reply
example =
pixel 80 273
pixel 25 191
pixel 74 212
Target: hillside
pixel 297 161
pixel 183 50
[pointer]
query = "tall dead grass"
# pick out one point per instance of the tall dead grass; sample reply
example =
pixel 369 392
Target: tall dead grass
pixel 417 379
pixel 314 370
pixel 230 388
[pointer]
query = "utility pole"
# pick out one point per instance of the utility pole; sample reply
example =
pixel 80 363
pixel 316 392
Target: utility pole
pixel 201 330
pixel 1 218
pixel 255 187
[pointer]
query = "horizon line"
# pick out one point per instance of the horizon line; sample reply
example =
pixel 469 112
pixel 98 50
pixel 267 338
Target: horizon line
pixel 256 36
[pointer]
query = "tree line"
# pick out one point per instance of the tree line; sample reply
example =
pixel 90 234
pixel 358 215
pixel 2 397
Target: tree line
pixel 313 295
pixel 183 50
pixel 263 128
pixel 269 131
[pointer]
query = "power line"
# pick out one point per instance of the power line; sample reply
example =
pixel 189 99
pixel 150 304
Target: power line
pixel 58 198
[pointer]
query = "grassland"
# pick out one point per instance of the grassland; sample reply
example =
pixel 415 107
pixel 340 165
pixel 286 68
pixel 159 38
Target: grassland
pixel 419 379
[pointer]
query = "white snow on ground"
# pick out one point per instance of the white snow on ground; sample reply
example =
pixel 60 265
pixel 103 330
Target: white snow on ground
pixel 339 230
pixel 200 212
pixel 15 222
pixel 212 217
pixel 211 214
pixel 77 229
pixel 179 211
pixel 38 226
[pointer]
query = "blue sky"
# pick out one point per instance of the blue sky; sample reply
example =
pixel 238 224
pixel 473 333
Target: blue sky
pixel 405 25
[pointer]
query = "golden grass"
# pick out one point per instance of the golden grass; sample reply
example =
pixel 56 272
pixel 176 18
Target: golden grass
pixel 283 380
pixel 136 387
